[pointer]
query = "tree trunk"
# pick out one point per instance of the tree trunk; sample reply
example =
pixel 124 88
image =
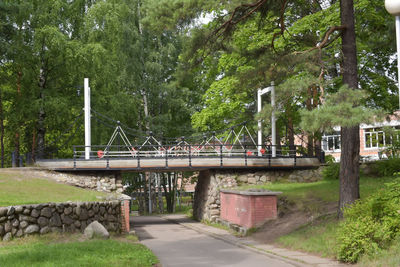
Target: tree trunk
pixel 292 148
pixel 33 155
pixel 1 130
pixel 17 150
pixel 310 139
pixel 160 198
pixel 350 136
pixel 41 130
pixel 174 191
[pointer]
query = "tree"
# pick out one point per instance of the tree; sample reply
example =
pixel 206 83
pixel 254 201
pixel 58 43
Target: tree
pixel 350 136
pixel 296 29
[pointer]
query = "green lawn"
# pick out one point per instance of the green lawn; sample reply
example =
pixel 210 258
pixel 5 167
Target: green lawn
pixel 326 190
pixel 18 188
pixel 63 250
pixel 314 238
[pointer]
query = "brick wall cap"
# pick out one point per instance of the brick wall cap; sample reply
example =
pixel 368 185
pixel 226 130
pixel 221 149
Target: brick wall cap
pixel 124 197
pixel 251 193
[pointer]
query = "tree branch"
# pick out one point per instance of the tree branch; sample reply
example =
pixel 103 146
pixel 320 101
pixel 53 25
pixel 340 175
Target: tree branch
pixel 325 41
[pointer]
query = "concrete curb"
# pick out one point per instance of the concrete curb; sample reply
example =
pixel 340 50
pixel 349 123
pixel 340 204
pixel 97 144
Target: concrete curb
pixel 296 258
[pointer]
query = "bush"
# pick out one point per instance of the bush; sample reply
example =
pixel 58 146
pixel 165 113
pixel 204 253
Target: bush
pixel 331 171
pixel 370 225
pixel 386 167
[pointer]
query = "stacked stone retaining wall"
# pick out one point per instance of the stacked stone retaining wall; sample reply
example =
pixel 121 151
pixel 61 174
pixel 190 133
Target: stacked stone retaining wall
pixel 94 181
pixel 18 221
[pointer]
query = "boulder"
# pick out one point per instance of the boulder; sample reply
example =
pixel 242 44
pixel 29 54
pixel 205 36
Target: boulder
pixel 68 210
pixel 3 212
pixel 66 219
pixel 15 223
pixel 46 212
pixel 19 209
pixel 19 233
pixel 11 211
pixel 31 229
pixel 252 180
pixel 1 230
pixel 95 229
pixel 7 227
pixel 45 230
pixel 83 214
pixel 27 211
pixel 7 237
pixel 43 221
pixel 55 220
pixel 23 224
pixel 35 213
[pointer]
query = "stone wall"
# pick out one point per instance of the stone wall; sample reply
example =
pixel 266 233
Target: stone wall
pixel 207 202
pixel 94 181
pixel 17 221
pixel 296 176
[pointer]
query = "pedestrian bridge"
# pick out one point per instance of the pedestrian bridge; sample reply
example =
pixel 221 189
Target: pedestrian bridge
pixel 233 148
pixel 186 157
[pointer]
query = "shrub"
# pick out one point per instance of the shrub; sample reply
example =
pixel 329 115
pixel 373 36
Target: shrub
pixel 331 171
pixel 386 167
pixel 370 225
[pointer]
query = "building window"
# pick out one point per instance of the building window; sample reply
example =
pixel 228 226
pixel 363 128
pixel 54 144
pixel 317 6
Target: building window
pixel 331 143
pixel 376 137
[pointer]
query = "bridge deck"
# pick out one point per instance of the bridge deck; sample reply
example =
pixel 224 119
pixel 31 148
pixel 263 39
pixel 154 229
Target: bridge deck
pixel 170 164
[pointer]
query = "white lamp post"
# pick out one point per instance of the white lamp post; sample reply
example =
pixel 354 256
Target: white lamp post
pixel 393 7
pixel 260 92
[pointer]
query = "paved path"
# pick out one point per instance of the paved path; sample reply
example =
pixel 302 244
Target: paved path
pixel 177 245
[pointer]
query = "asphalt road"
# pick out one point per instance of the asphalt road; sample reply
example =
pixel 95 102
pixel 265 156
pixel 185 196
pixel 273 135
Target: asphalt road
pixel 176 245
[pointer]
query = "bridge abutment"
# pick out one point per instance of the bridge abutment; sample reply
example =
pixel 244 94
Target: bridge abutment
pixel 207 202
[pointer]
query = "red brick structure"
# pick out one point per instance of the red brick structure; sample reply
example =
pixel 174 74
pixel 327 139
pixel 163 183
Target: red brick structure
pixel 248 208
pixel 125 227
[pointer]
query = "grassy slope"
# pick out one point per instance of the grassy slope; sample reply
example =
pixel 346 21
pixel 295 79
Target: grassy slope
pixel 70 250
pixel 18 188
pixel 320 238
pixel 326 190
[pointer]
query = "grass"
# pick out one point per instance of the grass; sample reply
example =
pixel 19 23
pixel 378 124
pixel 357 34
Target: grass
pixel 318 239
pixel 63 250
pixel 383 258
pixel 326 190
pixel 18 188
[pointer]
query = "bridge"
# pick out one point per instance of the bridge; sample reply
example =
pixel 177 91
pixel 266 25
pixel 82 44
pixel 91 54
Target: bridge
pixel 232 149
pixel 131 150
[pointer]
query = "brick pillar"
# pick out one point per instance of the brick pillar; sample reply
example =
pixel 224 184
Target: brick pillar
pixel 125 227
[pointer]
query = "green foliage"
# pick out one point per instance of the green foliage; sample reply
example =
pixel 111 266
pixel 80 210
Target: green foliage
pixel 371 224
pixel 386 167
pixel 343 108
pixel 329 159
pixel 331 171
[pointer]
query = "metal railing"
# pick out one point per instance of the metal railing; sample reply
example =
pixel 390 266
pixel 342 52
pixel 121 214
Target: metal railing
pixel 189 152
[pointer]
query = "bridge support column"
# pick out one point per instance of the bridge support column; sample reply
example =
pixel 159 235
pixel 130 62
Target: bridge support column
pixel 87 119
pixel 206 205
